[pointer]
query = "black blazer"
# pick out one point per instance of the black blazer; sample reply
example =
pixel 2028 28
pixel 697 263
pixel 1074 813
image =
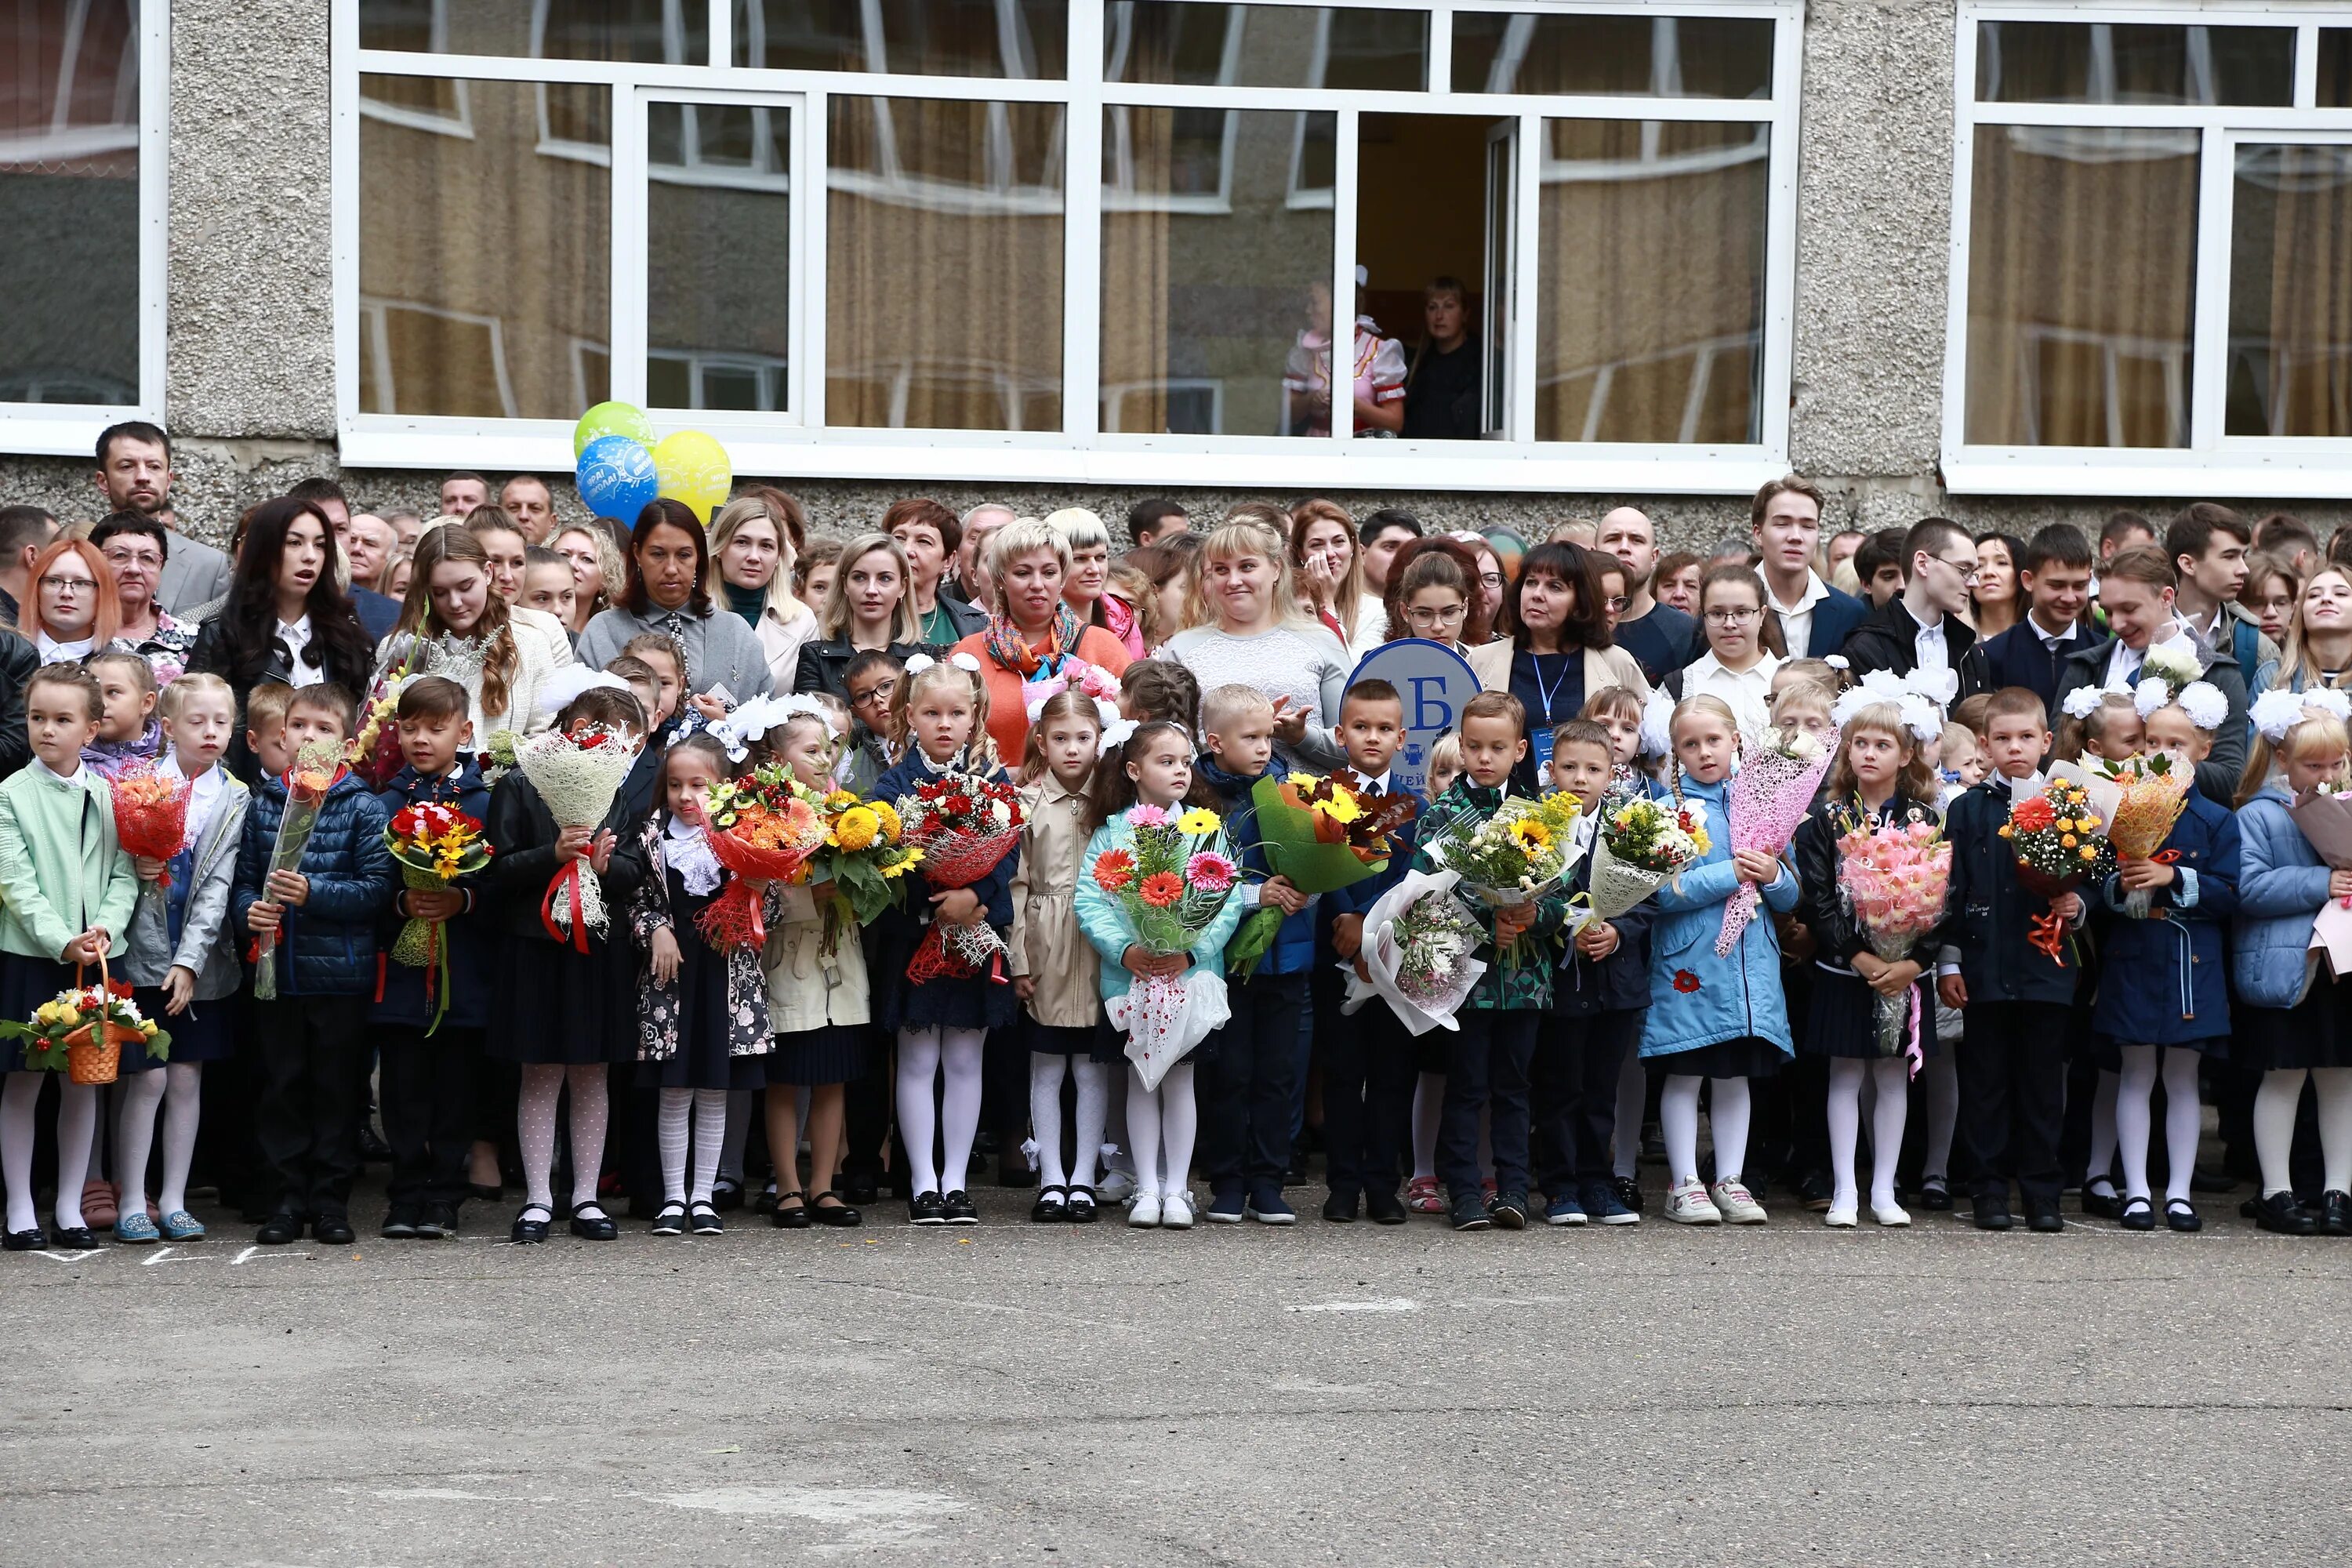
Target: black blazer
pixel 2018 658
pixel 1886 640
pixel 1833 621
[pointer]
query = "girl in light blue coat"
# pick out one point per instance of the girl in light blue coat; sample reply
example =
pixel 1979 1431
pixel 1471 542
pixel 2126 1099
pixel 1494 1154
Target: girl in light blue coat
pixel 1710 1017
pixel 1152 767
pixel 2294 1019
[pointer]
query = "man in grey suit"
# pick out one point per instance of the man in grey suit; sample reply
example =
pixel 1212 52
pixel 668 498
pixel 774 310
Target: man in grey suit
pixel 134 474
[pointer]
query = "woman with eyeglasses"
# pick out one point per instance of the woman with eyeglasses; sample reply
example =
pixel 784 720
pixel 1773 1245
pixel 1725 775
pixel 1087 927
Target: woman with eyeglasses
pixel 72 611
pixel 134 545
pixel 1459 625
pixel 1556 649
pixel 1742 650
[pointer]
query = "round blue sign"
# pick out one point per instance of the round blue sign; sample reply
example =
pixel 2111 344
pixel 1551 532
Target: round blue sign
pixel 1436 682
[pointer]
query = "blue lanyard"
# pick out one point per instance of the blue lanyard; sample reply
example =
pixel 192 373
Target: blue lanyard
pixel 1535 662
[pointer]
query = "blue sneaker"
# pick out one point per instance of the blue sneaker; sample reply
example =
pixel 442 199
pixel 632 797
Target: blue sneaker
pixel 1226 1206
pixel 182 1226
pixel 134 1226
pixel 1603 1206
pixel 1564 1211
pixel 1266 1208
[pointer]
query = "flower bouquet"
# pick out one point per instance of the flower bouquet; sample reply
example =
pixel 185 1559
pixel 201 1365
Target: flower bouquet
pixel 576 774
pixel 151 813
pixel 318 767
pixel 1639 845
pixel 374 752
pixel 1893 878
pixel 434 843
pixel 865 855
pixel 1520 854
pixel 2059 838
pixel 2324 816
pixel 1171 887
pixel 83 1031
pixel 1418 947
pixel 963 825
pixel 763 828
pixel 1323 833
pixel 1769 795
pixel 496 757
pixel 2151 792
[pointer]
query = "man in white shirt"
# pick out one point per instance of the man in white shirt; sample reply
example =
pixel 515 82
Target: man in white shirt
pixel 1920 629
pixel 1785 532
pixel 2209 546
pixel 2137 592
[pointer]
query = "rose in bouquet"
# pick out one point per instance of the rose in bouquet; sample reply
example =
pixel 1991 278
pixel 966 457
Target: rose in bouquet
pixel 1893 878
pixel 1418 955
pixel 866 857
pixel 576 773
pixel 963 825
pixel 1769 796
pixel 1169 888
pixel 434 843
pixel 1637 847
pixel 763 828
pixel 151 813
pixel 1319 834
pixel 318 766
pixel 2059 838
pixel 82 1032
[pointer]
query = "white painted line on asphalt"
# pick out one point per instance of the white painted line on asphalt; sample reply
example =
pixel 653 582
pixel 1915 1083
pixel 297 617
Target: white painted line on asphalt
pixel 68 1257
pixel 266 1253
pixel 1393 1304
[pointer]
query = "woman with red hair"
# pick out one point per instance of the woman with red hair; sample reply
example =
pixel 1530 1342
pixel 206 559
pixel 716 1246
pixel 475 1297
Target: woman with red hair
pixel 72 611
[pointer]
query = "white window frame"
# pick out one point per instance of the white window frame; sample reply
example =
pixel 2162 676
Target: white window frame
pixel 71 430
pixel 2212 463
pixel 800 444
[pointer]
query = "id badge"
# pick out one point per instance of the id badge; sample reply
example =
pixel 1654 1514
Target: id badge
pixel 1539 749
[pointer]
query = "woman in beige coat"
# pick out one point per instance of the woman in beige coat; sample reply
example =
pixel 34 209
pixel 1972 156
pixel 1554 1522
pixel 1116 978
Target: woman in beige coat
pixel 1554 651
pixel 1055 970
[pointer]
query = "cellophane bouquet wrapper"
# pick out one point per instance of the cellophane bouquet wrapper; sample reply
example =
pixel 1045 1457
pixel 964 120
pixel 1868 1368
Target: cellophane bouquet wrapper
pixel 1670 837
pixel 1169 888
pixel 151 813
pixel 1768 798
pixel 318 767
pixel 1424 995
pixel 2324 818
pixel 1894 878
pixel 576 777
pixel 963 825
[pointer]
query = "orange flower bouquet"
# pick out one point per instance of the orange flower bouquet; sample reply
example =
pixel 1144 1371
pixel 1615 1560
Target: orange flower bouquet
pixel 151 813
pixel 762 827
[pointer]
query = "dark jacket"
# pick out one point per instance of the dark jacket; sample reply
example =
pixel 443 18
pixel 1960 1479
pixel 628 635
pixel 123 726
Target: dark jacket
pixel 326 947
pixel 1834 619
pixel 824 666
pixel 211 656
pixel 1989 913
pixel 522 861
pixel 19 662
pixel 2217 775
pixel 400 992
pixel 1886 640
pixel 1617 984
pixel 2017 657
pixel 1837 938
pixel 378 614
pixel 2164 980
pixel 1293 952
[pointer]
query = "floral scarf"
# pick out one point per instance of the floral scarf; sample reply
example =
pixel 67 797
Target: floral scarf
pixel 1010 649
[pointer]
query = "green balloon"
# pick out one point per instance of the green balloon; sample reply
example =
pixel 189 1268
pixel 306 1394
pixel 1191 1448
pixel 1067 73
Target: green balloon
pixel 613 419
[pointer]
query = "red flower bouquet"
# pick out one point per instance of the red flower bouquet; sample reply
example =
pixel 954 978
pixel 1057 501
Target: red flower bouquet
pixel 434 844
pixel 964 825
pixel 764 829
pixel 151 813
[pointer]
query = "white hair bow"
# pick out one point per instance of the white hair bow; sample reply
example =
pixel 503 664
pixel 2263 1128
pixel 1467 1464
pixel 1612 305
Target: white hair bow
pixel 1115 733
pixel 558 690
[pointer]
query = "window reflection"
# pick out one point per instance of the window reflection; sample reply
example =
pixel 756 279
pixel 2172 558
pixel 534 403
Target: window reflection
pixel 1019 39
pixel 2290 292
pixel 717 255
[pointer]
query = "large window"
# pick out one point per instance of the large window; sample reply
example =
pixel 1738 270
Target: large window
pixel 1061 240
pixel 2152 254
pixel 81 183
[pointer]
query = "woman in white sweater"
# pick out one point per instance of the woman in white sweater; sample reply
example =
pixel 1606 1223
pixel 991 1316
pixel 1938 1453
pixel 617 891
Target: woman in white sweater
pixel 455 623
pixel 1246 630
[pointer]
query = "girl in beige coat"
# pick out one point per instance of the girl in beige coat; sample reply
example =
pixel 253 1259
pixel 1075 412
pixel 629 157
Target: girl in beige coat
pixel 1056 971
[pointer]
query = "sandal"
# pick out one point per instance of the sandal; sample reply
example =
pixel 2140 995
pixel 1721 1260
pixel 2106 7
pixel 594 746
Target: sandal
pixel 101 1204
pixel 1420 1196
pixel 837 1212
pixel 1052 1207
pixel 1082 1205
pixel 794 1218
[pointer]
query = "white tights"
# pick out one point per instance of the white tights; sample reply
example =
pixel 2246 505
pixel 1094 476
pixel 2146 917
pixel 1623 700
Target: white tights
pixel 1890 1076
pixel 1632 1090
pixel 179 1088
pixel 77 1121
pixel 2135 1118
pixel 925 1054
pixel 543 1087
pixel 1678 1121
pixel 1092 1079
pixel 1428 1106
pixel 2275 1104
pixel 709 1108
pixel 1162 1123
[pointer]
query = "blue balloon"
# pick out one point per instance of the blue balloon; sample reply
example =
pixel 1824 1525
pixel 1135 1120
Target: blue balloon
pixel 616 478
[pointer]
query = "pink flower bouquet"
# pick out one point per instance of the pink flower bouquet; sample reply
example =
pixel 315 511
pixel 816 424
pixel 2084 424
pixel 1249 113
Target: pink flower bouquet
pixel 1770 794
pixel 1893 878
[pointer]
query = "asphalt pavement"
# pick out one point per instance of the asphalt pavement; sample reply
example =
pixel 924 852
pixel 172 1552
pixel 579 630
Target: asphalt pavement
pixel 1078 1394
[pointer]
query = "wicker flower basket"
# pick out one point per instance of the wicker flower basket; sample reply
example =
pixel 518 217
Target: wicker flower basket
pixel 91 1058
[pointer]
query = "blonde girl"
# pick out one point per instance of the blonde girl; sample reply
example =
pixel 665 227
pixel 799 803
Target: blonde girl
pixel 1055 973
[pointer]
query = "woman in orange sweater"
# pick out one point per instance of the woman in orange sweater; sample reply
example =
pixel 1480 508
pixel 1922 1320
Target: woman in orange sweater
pixel 1033 636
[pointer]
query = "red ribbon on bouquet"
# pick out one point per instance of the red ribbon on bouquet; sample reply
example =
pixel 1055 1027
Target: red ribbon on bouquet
pixel 566 880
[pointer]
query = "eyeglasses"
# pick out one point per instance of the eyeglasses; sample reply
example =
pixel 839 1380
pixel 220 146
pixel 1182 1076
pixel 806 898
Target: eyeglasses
pixel 1615 603
pixel 1968 570
pixel 882 692
pixel 1731 617
pixel 64 584
pixel 1437 618
pixel 1491 579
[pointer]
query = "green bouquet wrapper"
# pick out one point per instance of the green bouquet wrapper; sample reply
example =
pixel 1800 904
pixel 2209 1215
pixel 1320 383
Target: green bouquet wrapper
pixel 1287 835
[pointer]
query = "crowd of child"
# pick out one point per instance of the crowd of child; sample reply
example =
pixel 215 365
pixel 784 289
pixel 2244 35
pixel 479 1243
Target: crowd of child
pixel 1532 1105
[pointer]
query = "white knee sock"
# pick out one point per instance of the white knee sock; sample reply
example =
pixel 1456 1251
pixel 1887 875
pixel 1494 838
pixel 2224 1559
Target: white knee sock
pixel 17 1102
pixel 2275 1103
pixel 2103 1133
pixel 2335 1086
pixel 1940 1079
pixel 2184 1118
pixel 1845 1129
pixel 918 1065
pixel 1428 1107
pixel 1179 1125
pixel 710 1121
pixel 1093 1107
pixel 959 1051
pixel 183 1098
pixel 1727 1114
pixel 134 1134
pixel 1632 1089
pixel 535 1104
pixel 77 1128
pixel 591 1106
pixel 2134 1116
pixel 1678 1122
pixel 1891 1075
pixel 1045 1074
pixel 670 1136
pixel 738 1130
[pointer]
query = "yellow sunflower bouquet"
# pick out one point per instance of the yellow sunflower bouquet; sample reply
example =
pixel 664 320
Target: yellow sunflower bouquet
pixel 864 856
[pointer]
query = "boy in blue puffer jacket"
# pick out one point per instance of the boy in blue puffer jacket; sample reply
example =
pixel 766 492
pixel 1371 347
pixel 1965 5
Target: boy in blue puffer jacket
pixel 322 918
pixel 1250 1066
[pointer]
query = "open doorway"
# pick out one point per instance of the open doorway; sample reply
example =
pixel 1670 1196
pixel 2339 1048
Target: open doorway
pixel 1433 199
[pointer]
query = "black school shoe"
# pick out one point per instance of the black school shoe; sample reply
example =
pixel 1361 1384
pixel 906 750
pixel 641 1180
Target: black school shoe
pixel 703 1220
pixel 400 1224
pixel 334 1229
pixel 1628 1190
pixel 1052 1207
pixel 927 1208
pixel 2181 1216
pixel 1385 1208
pixel 2138 1214
pixel 72 1237
pixel 671 1220
pixel 22 1240
pixel 2336 1214
pixel 1935 1193
pixel 1339 1207
pixel 281 1229
pixel 596 1227
pixel 956 1208
pixel 1509 1210
pixel 440 1221
pixel 2279 1212
pixel 1992 1214
pixel 1470 1213
pixel 836 1213
pixel 2042 1215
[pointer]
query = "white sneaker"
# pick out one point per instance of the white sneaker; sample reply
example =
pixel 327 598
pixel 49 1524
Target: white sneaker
pixel 1688 1205
pixel 1176 1212
pixel 1737 1204
pixel 1116 1187
pixel 1144 1212
pixel 1892 1214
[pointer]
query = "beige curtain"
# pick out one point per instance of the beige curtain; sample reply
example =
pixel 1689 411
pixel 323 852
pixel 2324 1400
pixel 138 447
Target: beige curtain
pixel 1135 273
pixel 2292 287
pixel 2081 284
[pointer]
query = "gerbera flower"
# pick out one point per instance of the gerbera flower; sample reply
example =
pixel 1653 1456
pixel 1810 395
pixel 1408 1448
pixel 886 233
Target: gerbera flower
pixel 1161 890
pixel 1114 869
pixel 1146 816
pixel 1198 822
pixel 1210 872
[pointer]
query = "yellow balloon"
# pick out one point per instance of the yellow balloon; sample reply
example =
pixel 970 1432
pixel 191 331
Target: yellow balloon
pixel 693 469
